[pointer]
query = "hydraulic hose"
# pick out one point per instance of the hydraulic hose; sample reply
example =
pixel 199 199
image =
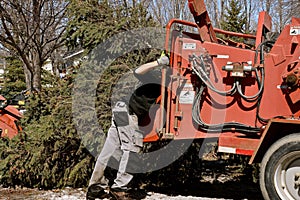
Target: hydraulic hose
pixel 260 49
pixel 222 127
pixel 198 66
pixel 260 84
pixel 206 80
pixel 207 83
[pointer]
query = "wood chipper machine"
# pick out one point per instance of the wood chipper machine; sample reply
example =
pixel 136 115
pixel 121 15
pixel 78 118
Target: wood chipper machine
pixel 240 88
pixel 9 118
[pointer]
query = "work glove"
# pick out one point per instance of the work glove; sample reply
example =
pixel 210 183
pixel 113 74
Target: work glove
pixel 163 60
pixel 3 104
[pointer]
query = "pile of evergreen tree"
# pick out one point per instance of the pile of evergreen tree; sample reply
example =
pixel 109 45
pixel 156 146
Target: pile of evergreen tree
pixel 49 153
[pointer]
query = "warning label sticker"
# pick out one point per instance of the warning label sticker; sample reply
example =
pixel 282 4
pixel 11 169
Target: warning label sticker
pixel 191 46
pixel 295 30
pixel 187 94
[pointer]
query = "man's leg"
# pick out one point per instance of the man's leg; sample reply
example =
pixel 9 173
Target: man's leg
pixel 110 147
pixel 119 190
pixel 98 183
pixel 127 126
pixel 123 178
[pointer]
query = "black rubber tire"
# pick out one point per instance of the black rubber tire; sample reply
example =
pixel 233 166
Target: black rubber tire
pixel 278 169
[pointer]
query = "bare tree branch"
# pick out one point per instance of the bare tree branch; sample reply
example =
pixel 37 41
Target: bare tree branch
pixel 32 29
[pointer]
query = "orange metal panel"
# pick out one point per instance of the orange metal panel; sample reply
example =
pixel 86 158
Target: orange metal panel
pixel 275 129
pixel 264 22
pixel 242 145
pixel 198 9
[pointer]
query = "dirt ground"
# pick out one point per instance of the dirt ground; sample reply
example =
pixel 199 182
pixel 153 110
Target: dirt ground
pixel 204 191
pixel 214 186
pixel 220 178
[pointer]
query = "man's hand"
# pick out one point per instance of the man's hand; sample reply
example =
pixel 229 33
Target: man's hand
pixel 163 60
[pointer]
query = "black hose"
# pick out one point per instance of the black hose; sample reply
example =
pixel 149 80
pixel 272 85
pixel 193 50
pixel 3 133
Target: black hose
pixel 206 80
pixel 227 126
pixel 262 60
pixel 260 84
pixel 223 127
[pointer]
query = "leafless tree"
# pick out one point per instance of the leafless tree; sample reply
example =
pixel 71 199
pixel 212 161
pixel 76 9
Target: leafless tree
pixel 281 11
pixel 32 30
pixel 164 10
pixel 217 11
pixel 285 11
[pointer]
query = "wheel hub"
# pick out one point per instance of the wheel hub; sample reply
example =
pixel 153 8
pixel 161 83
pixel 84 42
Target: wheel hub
pixel 297 180
pixel 287 177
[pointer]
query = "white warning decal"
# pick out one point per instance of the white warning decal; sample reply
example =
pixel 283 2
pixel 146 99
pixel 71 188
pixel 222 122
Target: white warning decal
pixel 187 94
pixel 295 30
pixel 189 46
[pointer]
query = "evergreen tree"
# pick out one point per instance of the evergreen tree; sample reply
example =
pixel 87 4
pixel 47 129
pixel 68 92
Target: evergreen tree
pixel 91 22
pixel 234 18
pixel 14 78
pixel 49 153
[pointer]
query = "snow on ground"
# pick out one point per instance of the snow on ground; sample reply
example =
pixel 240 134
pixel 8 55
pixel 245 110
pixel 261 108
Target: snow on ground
pixel 76 194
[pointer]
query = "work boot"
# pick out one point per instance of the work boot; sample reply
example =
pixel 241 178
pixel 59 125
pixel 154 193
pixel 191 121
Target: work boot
pixel 119 194
pixel 96 191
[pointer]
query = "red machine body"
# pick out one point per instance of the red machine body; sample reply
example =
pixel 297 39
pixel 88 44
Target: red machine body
pixel 9 118
pixel 263 84
pixel 240 89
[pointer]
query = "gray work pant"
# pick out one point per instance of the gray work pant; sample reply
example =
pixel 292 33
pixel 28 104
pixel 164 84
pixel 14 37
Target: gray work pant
pixel 123 137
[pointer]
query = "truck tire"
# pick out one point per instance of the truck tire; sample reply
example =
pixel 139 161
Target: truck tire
pixel 280 169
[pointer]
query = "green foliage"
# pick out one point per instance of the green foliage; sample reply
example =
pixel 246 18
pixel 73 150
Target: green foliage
pixel 88 23
pixel 235 19
pixel 14 78
pixel 48 154
pixel 91 22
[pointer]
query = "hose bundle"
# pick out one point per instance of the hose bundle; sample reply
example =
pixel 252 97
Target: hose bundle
pixel 199 68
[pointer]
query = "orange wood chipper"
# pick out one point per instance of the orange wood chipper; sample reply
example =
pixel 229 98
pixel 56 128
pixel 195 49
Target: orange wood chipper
pixel 9 119
pixel 244 93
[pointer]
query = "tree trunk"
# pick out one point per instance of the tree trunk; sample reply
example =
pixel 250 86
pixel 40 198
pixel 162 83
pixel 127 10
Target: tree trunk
pixel 28 78
pixel 36 60
pixel 37 78
pixel 280 13
pixel 33 74
pixel 268 6
pixel 217 15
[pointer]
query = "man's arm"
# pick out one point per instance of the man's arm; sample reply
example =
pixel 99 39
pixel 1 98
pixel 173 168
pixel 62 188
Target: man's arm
pixel 146 67
pixel 164 60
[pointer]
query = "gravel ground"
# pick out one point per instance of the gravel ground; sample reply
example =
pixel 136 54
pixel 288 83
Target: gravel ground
pixel 78 194
pixel 230 183
pixel 222 188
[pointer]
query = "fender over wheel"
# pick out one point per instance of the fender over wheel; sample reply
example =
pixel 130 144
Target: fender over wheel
pixel 280 169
